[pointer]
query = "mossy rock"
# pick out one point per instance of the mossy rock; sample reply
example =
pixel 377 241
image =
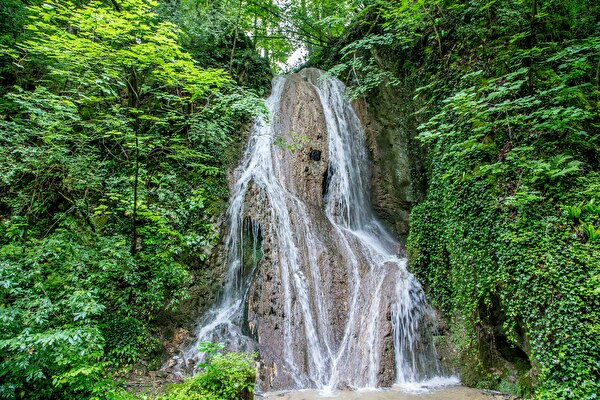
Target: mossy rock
pixel 525 384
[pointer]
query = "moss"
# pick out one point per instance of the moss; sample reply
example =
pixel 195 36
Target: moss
pixel 508 387
pixel 525 384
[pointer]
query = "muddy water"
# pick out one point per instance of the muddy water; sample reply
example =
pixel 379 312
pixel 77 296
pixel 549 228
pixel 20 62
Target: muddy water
pixel 448 393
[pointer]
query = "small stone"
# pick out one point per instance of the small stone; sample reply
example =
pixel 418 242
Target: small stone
pixel 161 374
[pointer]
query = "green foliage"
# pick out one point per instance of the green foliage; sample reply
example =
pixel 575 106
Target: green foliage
pixel 525 151
pixel 125 340
pixel 590 232
pixel 586 217
pixel 230 32
pixel 53 293
pixel 210 349
pixel 316 23
pixel 292 142
pixel 574 212
pixel 365 75
pixel 215 33
pixel 504 241
pixel 13 15
pixel 226 376
pixel 114 146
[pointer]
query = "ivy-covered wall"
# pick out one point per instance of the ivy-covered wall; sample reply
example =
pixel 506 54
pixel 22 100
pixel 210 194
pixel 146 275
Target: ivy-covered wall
pixel 518 285
pixel 506 238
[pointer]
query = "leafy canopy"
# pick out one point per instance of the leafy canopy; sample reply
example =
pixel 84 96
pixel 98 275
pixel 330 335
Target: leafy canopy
pixel 114 146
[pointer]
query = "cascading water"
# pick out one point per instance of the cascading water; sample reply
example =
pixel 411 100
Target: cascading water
pixel 315 283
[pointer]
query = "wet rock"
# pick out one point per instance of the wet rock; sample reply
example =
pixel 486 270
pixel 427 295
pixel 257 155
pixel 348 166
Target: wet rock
pixel 301 124
pixel 173 345
pixel 315 155
pixel 320 310
pixel 398 178
pixel 326 300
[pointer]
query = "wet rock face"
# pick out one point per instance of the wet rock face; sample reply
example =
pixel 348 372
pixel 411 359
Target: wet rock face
pixel 398 178
pixel 314 281
pixel 300 132
pixel 300 123
pixel 302 153
pixel 321 308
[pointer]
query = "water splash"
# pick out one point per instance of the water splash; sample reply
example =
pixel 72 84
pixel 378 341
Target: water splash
pixel 323 294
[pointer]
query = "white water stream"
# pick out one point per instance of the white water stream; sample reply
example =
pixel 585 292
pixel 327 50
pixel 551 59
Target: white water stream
pixel 384 305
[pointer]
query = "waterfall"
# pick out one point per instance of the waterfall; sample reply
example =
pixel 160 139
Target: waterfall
pixel 315 283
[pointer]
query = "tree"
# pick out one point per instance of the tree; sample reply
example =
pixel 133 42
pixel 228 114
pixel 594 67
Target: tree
pixel 114 148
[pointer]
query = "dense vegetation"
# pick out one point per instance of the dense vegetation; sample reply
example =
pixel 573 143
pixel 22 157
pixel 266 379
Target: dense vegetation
pixel 223 376
pixel 119 118
pixel 114 143
pixel 506 240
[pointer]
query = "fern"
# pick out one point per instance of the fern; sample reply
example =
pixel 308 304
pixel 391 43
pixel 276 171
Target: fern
pixel 590 232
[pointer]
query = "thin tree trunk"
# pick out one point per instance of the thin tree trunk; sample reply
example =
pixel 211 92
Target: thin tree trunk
pixel 134 102
pixel 134 235
pixel 532 44
pixel 235 35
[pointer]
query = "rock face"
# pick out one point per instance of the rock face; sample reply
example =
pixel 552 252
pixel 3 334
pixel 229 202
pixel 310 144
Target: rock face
pixel 300 122
pixel 315 282
pixel 398 174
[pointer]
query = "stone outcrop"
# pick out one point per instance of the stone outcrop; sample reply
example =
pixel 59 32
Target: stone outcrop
pixel 337 275
pixel 315 283
pixel 398 178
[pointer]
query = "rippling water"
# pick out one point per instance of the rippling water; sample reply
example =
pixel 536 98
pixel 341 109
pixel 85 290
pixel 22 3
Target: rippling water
pixel 431 390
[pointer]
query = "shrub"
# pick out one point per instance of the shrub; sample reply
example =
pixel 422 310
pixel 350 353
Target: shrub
pixel 226 376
